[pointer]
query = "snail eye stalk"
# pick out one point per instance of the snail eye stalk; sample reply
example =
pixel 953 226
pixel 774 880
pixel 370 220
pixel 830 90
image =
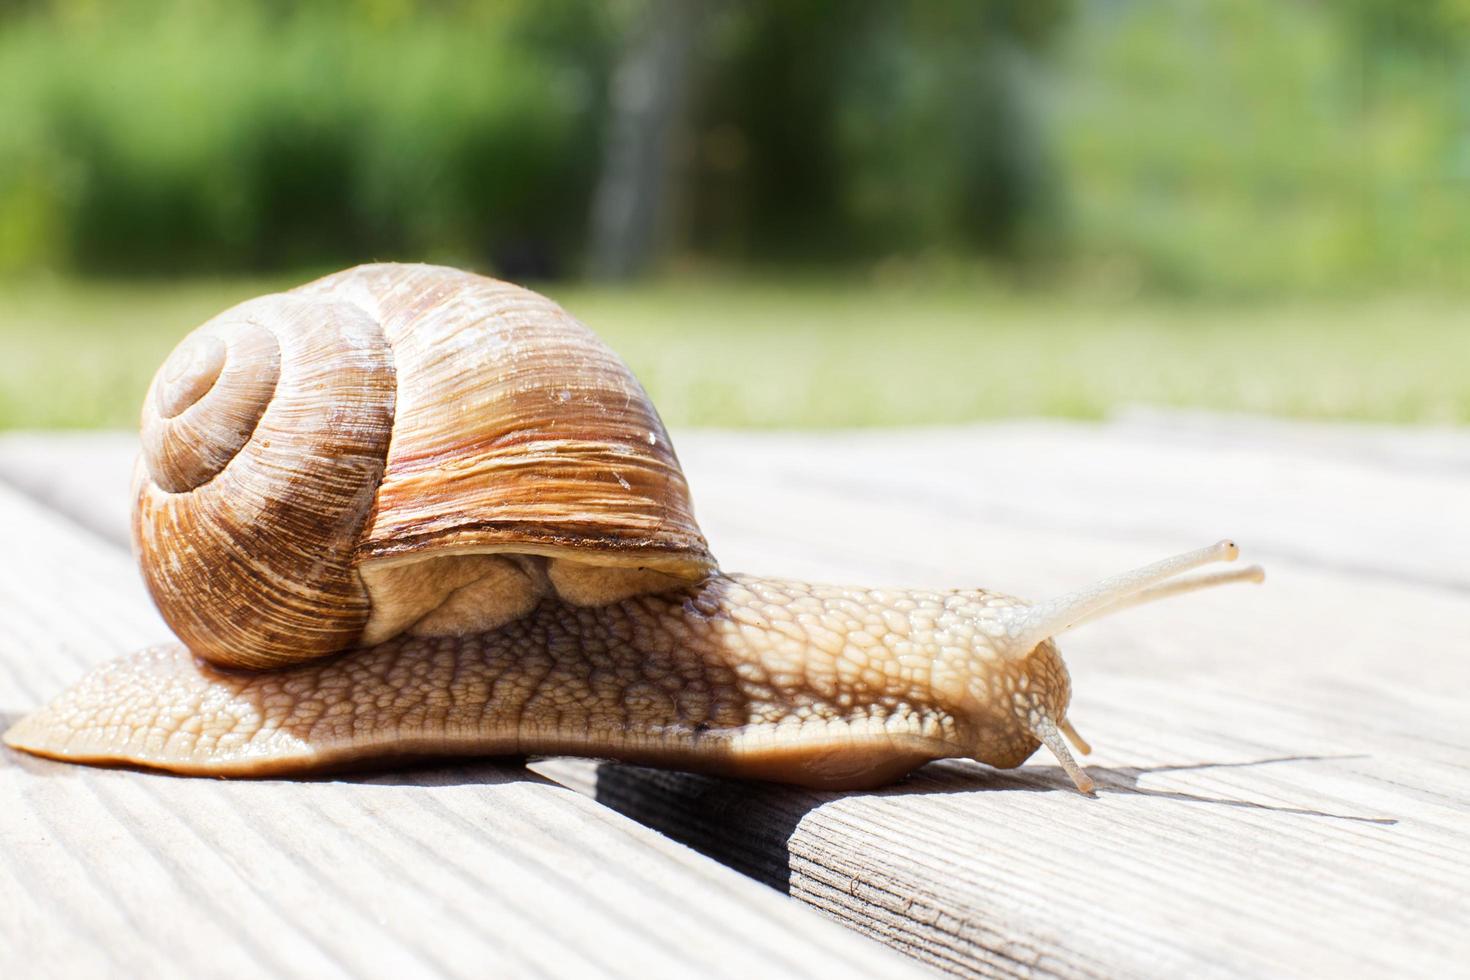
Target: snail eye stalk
pixel 1026 626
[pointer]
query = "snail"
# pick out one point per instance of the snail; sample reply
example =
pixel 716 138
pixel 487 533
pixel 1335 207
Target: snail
pixel 407 511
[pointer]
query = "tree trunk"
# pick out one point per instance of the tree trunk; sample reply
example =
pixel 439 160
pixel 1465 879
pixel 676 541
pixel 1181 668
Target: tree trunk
pixel 650 91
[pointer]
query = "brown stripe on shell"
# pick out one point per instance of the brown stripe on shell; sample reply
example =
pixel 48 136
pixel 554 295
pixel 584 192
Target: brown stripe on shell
pixel 517 430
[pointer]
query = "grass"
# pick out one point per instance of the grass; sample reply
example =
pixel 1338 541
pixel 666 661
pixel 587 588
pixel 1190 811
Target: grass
pixel 803 354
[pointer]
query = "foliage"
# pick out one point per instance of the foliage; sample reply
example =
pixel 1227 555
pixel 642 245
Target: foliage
pixel 175 136
pixel 1225 147
pixel 1244 147
pixel 892 127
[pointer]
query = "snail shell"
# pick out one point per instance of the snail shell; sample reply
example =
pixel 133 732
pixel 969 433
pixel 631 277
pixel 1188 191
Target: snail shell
pixel 398 448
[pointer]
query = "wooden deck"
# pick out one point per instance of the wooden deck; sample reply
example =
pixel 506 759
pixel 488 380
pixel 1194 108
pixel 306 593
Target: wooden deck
pixel 1284 771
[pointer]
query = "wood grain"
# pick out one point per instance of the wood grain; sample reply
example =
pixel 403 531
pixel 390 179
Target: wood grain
pixel 479 869
pixel 1233 836
pixel 1285 770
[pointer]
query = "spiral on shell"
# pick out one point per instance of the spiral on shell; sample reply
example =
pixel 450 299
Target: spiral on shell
pixel 397 447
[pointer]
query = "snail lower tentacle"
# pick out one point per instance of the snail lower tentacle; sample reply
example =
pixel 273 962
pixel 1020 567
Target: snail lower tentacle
pixel 742 676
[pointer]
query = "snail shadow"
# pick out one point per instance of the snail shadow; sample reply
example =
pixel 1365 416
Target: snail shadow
pixel 1125 779
pixel 752 827
pixel 432 771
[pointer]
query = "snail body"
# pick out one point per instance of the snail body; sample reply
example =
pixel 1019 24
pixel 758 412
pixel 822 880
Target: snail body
pixel 406 511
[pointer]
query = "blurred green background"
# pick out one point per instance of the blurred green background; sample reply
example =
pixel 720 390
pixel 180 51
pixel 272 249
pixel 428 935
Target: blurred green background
pixel 781 212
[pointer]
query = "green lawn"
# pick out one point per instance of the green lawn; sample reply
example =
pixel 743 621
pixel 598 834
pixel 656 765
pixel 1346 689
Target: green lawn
pixel 762 353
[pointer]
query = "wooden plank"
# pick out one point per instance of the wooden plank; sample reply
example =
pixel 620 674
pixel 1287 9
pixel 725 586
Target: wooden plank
pixel 1232 835
pixel 461 870
pixel 1283 488
pixel 1280 795
pixel 1148 477
pixel 84 475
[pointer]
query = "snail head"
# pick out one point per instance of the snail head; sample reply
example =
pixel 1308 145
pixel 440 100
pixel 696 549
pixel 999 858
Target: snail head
pixel 1030 684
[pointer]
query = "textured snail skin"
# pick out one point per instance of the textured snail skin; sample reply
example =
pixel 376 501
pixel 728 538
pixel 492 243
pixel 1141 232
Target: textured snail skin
pixel 816 685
